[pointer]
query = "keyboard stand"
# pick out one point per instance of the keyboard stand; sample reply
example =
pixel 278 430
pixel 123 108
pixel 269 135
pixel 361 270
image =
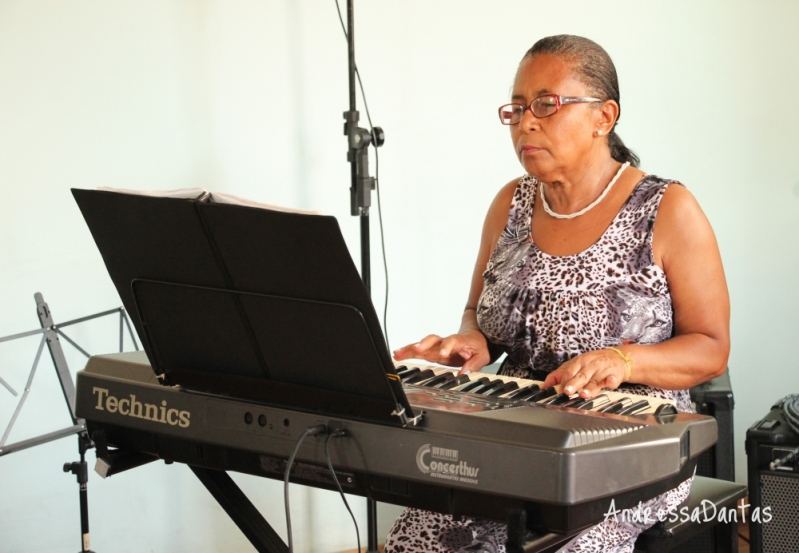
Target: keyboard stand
pixel 222 487
pixel 241 510
pixel 265 540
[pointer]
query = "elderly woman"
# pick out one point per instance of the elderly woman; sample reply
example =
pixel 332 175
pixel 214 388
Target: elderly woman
pixel 590 272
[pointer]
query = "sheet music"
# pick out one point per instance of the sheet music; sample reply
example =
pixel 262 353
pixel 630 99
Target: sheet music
pixel 222 198
pixel 203 195
pixel 180 193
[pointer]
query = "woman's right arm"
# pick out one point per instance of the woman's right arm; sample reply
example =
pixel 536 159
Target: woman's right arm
pixel 469 347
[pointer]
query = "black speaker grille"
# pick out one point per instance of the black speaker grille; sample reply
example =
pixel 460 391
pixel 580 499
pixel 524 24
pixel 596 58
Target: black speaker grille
pixel 706 465
pixel 781 534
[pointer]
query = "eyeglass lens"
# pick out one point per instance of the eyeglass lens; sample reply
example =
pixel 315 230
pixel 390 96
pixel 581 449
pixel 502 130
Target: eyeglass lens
pixel 543 106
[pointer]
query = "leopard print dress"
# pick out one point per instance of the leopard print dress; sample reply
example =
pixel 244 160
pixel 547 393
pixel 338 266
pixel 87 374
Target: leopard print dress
pixel 544 310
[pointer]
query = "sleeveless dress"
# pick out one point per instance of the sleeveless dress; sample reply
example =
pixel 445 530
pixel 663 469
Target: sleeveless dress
pixel 544 310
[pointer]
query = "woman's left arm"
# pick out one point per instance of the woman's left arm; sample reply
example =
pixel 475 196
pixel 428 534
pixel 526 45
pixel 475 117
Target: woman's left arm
pixel 685 247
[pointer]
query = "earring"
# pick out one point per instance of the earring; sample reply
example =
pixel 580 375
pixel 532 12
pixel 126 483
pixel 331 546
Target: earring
pixel 599 133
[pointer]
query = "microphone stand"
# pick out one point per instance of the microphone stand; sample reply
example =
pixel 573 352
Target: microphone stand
pixel 360 200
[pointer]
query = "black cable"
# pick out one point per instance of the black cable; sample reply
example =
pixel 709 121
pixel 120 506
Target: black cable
pixel 789 405
pixel 377 183
pixel 382 244
pixel 790 411
pixel 310 431
pixel 338 434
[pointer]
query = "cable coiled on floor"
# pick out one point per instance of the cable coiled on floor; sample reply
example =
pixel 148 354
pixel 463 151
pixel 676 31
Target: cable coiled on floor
pixel 789 406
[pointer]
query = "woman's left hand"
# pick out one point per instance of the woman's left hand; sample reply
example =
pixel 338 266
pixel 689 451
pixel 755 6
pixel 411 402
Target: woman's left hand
pixel 588 373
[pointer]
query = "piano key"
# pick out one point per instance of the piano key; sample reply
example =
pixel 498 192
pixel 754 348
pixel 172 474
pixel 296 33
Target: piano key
pixel 577 403
pixel 439 379
pixel 522 393
pixel 504 389
pixel 587 404
pixel 485 388
pixel 473 384
pixel 559 399
pixel 407 373
pixel 616 406
pixel 639 405
pixel 455 382
pixel 420 376
pixel 542 394
pixel 596 402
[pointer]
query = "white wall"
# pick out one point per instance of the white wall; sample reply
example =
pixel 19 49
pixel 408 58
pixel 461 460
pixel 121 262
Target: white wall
pixel 247 96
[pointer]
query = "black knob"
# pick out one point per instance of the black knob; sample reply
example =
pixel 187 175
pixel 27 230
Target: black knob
pixel 248 417
pixel 378 136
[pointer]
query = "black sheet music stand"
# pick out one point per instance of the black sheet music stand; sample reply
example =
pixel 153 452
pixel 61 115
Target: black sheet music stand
pixel 251 303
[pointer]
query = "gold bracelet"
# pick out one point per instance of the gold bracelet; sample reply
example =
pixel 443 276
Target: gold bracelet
pixel 627 360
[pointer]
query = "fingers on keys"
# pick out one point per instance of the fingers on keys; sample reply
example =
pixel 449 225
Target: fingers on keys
pixel 588 374
pixel 453 345
pixel 423 349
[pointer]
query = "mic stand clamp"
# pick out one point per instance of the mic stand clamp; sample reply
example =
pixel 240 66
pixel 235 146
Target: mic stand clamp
pixel 359 140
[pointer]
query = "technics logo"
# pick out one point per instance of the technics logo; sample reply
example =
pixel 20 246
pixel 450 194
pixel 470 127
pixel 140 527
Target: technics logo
pixel 447 467
pixel 129 407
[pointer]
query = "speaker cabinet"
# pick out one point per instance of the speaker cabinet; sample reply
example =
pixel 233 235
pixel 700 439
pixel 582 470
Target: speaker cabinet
pixel 773 494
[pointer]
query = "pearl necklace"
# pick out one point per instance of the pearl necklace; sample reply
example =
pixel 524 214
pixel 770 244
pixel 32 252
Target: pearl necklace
pixel 589 206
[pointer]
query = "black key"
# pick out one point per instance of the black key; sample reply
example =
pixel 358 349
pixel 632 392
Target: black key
pixel 418 377
pixel 576 403
pixel 595 403
pixel 440 379
pixel 543 394
pixel 508 387
pixel 401 369
pixel 457 381
pixel 492 384
pixel 615 406
pixel 474 384
pixel 407 373
pixel 639 405
pixel 522 393
pixel 559 399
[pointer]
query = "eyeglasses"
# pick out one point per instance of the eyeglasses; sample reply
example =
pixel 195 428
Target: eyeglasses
pixel 541 107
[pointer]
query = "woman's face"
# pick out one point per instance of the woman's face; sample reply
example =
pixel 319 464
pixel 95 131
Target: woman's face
pixel 554 145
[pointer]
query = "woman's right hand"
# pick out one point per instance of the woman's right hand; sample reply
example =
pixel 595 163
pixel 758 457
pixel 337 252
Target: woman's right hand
pixel 468 350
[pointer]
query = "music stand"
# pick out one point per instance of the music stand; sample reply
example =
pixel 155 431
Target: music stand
pixel 247 302
pixel 50 333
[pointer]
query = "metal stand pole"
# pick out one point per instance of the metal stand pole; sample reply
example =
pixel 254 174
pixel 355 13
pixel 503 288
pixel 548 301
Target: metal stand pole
pixel 81 471
pixel 360 200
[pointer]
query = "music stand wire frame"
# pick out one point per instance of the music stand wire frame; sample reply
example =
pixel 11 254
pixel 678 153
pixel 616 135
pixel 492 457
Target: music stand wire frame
pixel 50 333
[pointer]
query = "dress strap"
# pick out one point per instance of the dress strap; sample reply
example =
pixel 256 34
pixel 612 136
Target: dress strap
pixel 520 214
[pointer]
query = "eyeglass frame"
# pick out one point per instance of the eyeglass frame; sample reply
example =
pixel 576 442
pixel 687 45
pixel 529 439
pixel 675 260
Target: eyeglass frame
pixel 559 101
